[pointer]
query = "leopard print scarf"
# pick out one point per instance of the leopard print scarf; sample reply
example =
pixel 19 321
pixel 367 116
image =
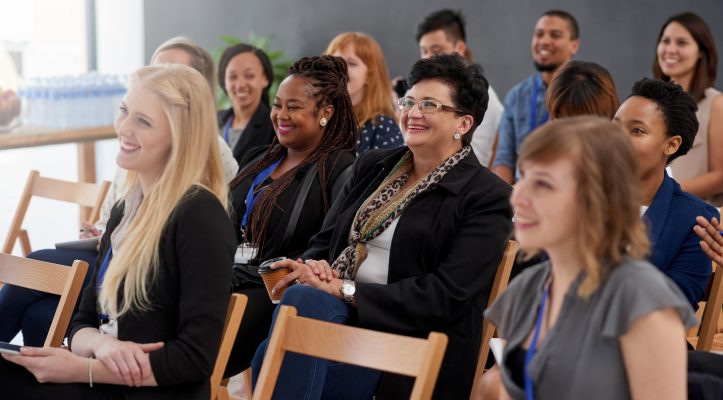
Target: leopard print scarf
pixel 385 205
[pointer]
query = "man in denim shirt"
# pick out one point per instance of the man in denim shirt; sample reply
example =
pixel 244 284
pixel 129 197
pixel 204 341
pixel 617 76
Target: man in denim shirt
pixel 554 42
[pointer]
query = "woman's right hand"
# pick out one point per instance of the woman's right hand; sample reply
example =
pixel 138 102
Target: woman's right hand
pixel 712 241
pixel 127 360
pixel 89 231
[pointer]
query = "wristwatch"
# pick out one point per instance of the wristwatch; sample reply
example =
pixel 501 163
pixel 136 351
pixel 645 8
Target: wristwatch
pixel 347 289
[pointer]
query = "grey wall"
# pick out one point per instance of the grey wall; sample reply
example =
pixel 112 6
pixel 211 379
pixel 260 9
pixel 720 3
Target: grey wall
pixel 618 34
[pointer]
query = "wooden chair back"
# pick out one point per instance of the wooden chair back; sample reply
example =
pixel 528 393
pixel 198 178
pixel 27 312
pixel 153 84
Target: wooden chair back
pixel 711 313
pixel 410 356
pixel 83 194
pixel 50 278
pixel 502 278
pixel 236 308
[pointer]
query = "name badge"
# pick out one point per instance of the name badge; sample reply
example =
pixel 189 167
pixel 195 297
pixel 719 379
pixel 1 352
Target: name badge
pixel 244 253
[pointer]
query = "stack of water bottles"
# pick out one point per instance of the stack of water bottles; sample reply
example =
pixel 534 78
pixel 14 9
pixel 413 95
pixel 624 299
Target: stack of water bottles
pixel 71 102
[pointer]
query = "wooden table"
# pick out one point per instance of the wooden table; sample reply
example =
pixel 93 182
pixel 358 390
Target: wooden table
pixel 85 139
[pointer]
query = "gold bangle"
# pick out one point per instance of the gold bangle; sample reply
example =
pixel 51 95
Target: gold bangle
pixel 90 371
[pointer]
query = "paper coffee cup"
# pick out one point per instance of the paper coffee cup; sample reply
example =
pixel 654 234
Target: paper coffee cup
pixel 272 276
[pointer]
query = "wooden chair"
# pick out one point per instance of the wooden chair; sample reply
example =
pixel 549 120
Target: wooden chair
pixel 419 358
pixel 709 322
pixel 84 194
pixel 502 278
pixel 50 278
pixel 236 308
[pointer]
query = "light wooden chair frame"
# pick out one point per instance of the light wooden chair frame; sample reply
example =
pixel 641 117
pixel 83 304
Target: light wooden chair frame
pixel 83 194
pixel 409 356
pixel 50 278
pixel 236 308
pixel 502 278
pixel 709 322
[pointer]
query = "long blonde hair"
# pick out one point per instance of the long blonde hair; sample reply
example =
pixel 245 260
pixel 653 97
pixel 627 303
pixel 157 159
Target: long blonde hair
pixel 194 162
pixel 608 190
pixel 378 93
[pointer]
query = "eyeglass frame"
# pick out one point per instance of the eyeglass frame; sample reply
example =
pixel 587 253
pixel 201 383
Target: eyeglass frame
pixel 439 106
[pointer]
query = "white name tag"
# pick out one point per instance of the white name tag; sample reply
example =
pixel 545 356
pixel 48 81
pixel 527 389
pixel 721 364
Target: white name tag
pixel 244 253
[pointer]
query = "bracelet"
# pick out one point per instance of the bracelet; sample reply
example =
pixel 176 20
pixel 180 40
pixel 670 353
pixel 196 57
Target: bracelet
pixel 90 371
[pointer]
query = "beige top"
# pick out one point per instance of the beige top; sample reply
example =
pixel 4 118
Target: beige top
pixel 695 163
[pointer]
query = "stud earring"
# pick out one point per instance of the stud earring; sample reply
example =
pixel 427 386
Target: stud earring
pixel 457 136
pixel 323 121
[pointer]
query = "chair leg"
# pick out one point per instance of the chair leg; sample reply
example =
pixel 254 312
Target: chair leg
pixel 24 242
pixel 247 383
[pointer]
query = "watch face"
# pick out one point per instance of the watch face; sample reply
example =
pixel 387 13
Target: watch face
pixel 348 288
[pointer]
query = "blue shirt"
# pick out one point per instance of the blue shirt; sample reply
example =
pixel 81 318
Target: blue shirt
pixel 379 133
pixel 516 124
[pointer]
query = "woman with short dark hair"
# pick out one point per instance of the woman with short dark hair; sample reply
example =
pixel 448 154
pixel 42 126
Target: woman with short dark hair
pixel 245 74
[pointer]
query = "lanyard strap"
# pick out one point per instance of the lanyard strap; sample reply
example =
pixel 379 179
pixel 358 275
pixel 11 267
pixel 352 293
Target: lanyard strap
pixel 529 386
pixel 251 196
pixel 536 86
pixel 101 276
pixel 226 135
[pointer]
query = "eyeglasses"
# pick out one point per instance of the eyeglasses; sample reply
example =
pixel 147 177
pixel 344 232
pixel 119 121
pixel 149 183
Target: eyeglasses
pixel 425 106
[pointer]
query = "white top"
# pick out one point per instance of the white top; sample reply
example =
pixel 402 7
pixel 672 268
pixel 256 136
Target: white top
pixel 484 136
pixel 375 268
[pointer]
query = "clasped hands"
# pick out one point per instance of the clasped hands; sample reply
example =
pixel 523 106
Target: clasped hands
pixel 127 361
pixel 314 273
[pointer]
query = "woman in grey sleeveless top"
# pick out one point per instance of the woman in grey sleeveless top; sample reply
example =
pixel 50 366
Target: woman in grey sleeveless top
pixel 595 321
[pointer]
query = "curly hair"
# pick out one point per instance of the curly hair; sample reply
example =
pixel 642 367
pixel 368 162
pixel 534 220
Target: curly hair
pixel 326 78
pixel 678 109
pixel 466 81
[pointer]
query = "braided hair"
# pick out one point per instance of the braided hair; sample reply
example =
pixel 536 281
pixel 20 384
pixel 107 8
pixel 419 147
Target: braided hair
pixel 326 78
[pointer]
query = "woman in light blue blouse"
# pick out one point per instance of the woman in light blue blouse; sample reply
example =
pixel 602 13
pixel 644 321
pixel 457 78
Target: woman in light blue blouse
pixel 370 90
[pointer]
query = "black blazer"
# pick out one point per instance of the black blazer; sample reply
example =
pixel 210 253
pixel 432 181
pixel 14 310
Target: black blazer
pixel 443 258
pixel 189 298
pixel 311 217
pixel 258 132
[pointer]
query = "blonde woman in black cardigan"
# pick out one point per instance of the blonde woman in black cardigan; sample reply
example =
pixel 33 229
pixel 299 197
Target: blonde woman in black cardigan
pixel 150 322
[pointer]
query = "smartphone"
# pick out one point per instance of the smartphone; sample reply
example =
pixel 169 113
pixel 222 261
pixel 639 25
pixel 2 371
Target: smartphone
pixel 8 348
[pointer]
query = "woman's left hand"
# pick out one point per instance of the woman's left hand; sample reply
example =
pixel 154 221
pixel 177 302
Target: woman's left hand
pixel 51 364
pixel 303 273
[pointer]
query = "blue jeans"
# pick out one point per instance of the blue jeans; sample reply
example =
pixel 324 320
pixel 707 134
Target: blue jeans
pixel 304 377
pixel 32 311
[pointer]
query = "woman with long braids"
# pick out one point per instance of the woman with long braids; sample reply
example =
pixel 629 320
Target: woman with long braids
pixel 315 139
pixel 416 237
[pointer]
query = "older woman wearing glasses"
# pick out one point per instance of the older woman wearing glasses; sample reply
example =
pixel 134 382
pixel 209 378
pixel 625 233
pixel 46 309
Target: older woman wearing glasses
pixel 410 246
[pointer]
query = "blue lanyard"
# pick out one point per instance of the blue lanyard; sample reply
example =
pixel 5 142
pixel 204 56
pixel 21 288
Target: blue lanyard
pixel 536 86
pixel 251 195
pixel 101 276
pixel 529 386
pixel 226 135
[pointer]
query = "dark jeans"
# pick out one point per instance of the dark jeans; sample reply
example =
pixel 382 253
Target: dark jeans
pixel 304 377
pixel 32 311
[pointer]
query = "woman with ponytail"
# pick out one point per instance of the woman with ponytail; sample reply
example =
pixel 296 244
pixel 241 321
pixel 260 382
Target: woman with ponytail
pixel 306 166
pixel 155 309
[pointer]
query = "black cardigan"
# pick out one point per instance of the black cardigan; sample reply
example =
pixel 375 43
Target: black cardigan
pixel 258 132
pixel 311 217
pixel 189 299
pixel 443 258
